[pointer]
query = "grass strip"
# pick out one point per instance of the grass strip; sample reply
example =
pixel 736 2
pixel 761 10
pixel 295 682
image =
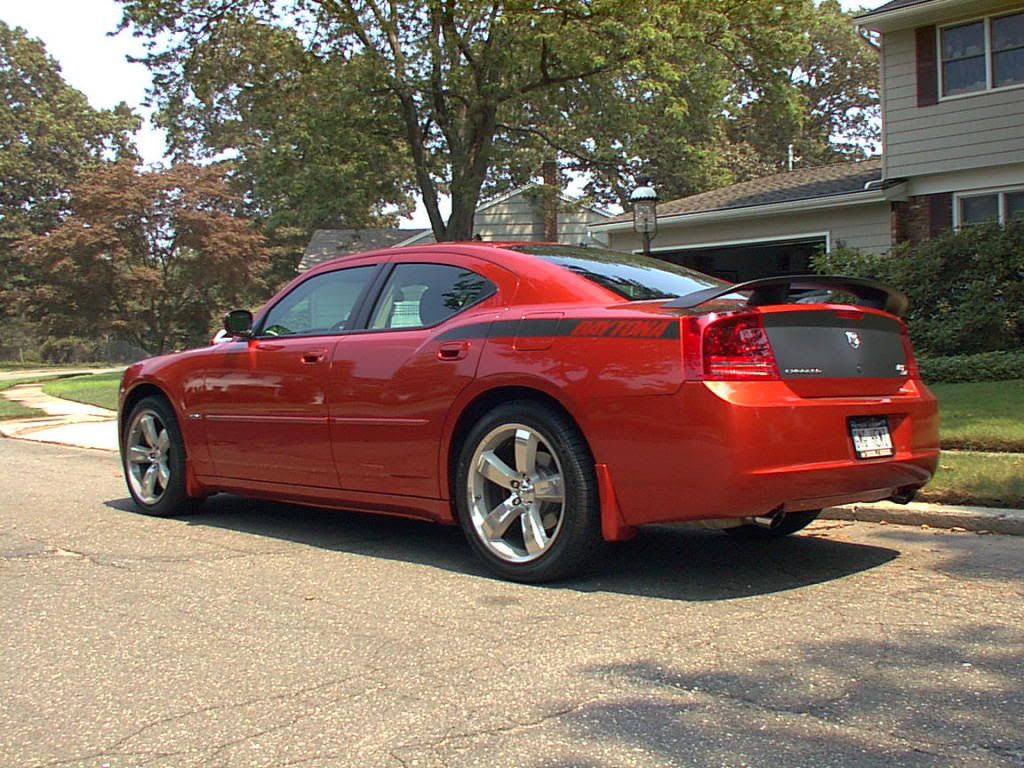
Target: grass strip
pixel 982 416
pixel 98 389
pixel 12 410
pixel 979 479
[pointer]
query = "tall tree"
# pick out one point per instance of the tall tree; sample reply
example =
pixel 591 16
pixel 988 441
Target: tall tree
pixel 466 81
pixel 306 141
pixel 48 135
pixel 147 256
pixel 732 113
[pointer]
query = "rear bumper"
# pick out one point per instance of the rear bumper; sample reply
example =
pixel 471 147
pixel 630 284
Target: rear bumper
pixel 725 449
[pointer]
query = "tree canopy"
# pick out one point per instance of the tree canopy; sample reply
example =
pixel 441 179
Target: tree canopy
pixel 48 135
pixel 149 257
pixel 337 109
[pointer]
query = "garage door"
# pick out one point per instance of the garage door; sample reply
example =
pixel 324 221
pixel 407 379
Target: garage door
pixel 750 261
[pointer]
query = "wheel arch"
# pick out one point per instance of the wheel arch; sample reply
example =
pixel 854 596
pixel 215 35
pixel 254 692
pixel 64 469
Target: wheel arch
pixel 139 391
pixel 480 404
pixel 147 388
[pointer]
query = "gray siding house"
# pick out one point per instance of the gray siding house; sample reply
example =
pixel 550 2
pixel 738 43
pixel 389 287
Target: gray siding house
pixel 952 86
pixel 518 215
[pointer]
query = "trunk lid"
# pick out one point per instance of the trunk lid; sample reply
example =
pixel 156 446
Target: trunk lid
pixel 828 352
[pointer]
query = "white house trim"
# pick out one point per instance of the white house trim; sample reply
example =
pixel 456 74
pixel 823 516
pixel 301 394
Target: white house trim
pixel 1009 175
pixel 746 241
pixel 888 20
pixel 897 192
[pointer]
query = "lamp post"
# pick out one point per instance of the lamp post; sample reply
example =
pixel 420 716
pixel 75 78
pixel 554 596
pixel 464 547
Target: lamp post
pixel 645 212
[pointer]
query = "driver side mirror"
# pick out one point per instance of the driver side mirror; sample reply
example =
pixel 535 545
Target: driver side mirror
pixel 238 322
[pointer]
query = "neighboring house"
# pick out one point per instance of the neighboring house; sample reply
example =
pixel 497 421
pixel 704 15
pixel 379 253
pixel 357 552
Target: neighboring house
pixel 953 154
pixel 518 215
pixel 331 243
pixel 771 225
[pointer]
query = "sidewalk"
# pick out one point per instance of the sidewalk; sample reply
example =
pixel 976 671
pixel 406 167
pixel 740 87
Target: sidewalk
pixel 86 426
pixel 65 423
pixel 977 519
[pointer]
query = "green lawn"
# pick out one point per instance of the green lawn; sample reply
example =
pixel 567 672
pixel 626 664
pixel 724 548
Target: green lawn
pixel 986 416
pixel 12 410
pixel 95 389
pixel 982 479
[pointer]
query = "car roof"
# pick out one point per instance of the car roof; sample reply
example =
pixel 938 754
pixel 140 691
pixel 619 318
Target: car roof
pixel 531 269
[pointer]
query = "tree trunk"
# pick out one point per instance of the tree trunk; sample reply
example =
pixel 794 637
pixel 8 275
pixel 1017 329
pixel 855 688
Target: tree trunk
pixel 552 187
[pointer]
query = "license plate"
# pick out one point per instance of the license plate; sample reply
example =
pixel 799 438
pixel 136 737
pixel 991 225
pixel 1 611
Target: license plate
pixel 871 438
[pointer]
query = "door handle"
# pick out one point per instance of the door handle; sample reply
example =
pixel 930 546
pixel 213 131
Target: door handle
pixel 455 350
pixel 314 356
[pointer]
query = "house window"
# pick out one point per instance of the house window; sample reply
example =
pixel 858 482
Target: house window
pixel 989 207
pixel 981 55
pixel 1008 50
pixel 963 59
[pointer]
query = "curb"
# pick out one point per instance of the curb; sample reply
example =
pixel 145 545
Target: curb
pixel 990 520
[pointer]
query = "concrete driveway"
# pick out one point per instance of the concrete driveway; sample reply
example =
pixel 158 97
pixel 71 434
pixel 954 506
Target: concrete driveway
pixel 258 634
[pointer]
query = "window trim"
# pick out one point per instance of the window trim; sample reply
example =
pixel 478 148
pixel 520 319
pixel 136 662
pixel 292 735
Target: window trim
pixel 987 26
pixel 1000 192
pixel 364 322
pixel 357 308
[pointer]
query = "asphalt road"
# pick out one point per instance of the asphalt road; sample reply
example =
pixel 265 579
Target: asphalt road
pixel 257 634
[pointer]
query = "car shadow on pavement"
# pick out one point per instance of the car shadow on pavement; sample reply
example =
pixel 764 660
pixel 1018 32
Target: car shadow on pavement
pixel 916 695
pixel 662 561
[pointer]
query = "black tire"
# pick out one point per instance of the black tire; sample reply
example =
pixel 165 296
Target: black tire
pixel 575 540
pixel 165 500
pixel 790 523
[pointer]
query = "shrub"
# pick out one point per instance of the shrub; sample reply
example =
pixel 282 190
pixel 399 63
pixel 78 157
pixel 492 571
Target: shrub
pixel 986 366
pixel 966 288
pixel 71 349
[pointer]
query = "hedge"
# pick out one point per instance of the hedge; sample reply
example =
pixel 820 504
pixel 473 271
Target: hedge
pixel 985 366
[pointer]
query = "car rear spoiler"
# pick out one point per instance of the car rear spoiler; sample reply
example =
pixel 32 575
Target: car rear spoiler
pixel 775 290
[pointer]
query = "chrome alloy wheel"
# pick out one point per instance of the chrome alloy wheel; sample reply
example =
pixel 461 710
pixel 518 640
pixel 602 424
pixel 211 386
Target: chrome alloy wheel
pixel 147 453
pixel 516 498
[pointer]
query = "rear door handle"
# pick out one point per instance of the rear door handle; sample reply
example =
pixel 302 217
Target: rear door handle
pixel 311 357
pixel 454 350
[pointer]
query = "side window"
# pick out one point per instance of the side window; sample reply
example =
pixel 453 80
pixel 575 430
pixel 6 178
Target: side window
pixel 420 295
pixel 322 304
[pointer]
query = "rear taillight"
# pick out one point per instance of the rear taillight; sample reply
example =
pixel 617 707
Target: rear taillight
pixel 729 348
pixel 913 371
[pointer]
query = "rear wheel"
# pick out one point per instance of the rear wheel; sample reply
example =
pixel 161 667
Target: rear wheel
pixel 526 494
pixel 790 523
pixel 153 457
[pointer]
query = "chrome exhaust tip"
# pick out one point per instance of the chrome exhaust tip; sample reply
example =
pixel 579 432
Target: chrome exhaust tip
pixel 771 520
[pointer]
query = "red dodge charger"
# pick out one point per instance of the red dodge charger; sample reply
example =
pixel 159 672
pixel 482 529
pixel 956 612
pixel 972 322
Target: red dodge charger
pixel 548 399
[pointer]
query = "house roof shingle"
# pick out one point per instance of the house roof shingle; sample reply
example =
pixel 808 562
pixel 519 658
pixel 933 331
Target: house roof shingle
pixel 330 243
pixel 803 184
pixel 892 6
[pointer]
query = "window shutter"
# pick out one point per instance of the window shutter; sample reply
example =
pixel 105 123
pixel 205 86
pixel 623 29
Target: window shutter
pixel 927 67
pixel 940 213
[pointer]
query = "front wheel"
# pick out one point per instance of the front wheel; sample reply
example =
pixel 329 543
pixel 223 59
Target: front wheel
pixel 526 493
pixel 153 458
pixel 791 523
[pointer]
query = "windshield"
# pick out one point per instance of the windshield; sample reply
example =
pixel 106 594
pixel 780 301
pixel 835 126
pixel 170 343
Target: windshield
pixel 636 278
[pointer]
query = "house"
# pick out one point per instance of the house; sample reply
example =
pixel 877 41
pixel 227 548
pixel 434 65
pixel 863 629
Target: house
pixel 331 243
pixel 520 215
pixel 952 73
pixel 517 215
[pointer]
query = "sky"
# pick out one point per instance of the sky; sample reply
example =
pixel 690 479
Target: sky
pixel 76 34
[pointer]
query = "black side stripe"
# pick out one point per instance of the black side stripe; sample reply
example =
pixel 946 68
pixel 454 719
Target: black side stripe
pixel 581 327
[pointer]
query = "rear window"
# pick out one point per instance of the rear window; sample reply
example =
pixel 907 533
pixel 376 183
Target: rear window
pixel 636 278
